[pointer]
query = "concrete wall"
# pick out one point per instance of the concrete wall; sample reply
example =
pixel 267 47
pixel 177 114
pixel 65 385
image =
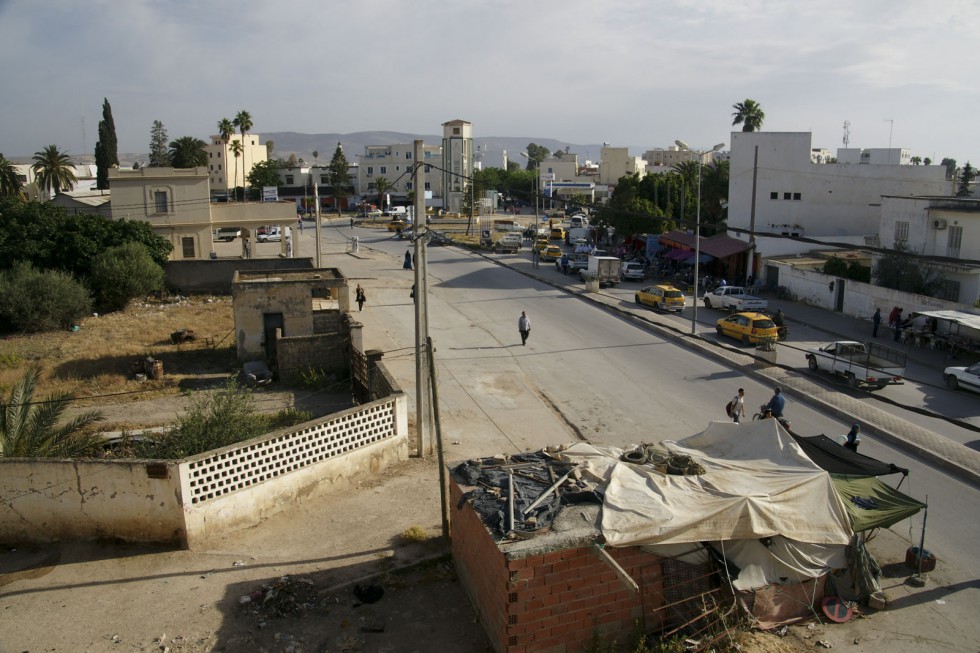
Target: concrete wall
pixel 328 353
pixel 215 276
pixel 43 500
pixel 860 299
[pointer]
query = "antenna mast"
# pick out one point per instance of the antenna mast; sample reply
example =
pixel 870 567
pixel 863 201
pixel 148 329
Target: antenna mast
pixel 847 133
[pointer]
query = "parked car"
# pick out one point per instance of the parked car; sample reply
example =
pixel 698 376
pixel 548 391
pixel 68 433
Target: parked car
pixel 631 271
pixel 967 378
pixel 862 364
pixel 551 253
pixel 541 244
pixel 663 297
pixel 272 235
pixel 750 328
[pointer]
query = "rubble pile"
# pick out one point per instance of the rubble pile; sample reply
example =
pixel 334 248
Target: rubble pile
pixel 285 596
pixel 520 496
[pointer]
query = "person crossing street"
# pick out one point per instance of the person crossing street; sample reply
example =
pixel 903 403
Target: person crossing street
pixel 524 326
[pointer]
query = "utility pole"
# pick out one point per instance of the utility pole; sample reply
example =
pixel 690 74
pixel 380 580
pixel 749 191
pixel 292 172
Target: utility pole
pixel 423 390
pixel 316 200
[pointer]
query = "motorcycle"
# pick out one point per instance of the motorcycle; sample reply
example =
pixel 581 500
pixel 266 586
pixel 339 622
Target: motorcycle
pixel 766 413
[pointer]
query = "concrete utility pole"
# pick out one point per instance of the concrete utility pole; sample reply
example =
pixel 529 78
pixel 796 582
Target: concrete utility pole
pixel 316 200
pixel 423 390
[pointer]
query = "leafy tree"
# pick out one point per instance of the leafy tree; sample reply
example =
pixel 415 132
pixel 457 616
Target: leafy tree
pixel 30 429
pixel 513 165
pixel 950 167
pixel 188 152
pixel 847 269
pixel 264 173
pixel 748 114
pixel 338 174
pixel 47 237
pixel 159 156
pixel 10 183
pixel 292 162
pixel 899 271
pixel 916 160
pixel 967 175
pixel 54 170
pixel 33 300
pixel 269 146
pixel 106 149
pixel 927 161
pixel 123 273
pixel 535 155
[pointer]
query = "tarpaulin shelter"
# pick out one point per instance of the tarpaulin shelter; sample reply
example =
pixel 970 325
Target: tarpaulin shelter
pixel 832 457
pixel 870 503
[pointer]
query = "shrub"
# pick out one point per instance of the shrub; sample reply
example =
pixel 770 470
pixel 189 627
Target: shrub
pixel 33 300
pixel 122 273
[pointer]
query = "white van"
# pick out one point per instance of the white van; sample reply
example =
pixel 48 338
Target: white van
pixel 397 211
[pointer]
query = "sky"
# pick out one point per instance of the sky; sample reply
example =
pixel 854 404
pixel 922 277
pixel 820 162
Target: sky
pixel 631 73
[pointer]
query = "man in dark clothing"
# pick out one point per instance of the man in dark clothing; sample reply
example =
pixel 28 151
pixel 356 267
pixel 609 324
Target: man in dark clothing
pixel 875 322
pixel 853 438
pixel 777 403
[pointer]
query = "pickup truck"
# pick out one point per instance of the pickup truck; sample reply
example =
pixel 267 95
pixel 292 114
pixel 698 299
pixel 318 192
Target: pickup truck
pixel 861 364
pixel 734 298
pixel 509 243
pixel 604 269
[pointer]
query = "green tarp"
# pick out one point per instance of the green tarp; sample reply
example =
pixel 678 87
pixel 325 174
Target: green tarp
pixel 872 504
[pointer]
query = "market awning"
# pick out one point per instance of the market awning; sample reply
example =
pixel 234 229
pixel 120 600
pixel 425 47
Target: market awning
pixel 833 458
pixel 956 317
pixel 870 503
pixel 720 246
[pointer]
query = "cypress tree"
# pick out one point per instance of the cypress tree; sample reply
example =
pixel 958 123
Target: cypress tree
pixel 106 150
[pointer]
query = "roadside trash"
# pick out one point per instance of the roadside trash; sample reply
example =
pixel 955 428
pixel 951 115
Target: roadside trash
pixel 824 643
pixel 286 596
pixel 238 563
pixel 368 593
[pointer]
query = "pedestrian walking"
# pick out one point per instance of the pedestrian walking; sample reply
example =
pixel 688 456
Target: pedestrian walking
pixel 736 407
pixel 352 222
pixel 524 326
pixel 875 322
pixel 534 257
pixel 299 221
pixel 408 260
pixel 853 438
pixel 360 297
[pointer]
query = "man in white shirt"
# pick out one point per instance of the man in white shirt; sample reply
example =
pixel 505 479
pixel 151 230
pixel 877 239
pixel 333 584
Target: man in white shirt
pixel 738 405
pixel 524 326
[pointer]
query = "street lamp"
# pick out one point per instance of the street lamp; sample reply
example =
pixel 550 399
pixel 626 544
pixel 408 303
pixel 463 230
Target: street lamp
pixel 697 225
pixel 537 178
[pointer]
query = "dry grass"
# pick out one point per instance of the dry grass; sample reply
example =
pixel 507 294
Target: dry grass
pixel 99 358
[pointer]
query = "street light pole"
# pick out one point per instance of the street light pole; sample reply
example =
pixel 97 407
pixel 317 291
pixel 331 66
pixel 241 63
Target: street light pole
pixel 697 226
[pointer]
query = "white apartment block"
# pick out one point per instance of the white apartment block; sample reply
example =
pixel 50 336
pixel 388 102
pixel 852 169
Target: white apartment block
pixel 226 171
pixel 395 163
pixel 457 162
pixel 898 156
pixel 616 163
pixel 941 227
pixel 793 196
pixel 669 157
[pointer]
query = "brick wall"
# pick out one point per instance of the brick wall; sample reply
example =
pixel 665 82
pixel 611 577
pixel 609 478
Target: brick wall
pixel 552 601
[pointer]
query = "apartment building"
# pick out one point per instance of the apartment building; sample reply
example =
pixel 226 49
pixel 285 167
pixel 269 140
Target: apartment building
pixel 226 171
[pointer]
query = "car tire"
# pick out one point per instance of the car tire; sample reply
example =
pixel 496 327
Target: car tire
pixel 811 363
pixel 746 340
pixel 952 382
pixel 852 380
pixel 636 298
pixel 658 306
pixel 721 332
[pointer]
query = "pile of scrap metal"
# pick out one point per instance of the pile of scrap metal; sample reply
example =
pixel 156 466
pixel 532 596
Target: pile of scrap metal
pixel 663 460
pixel 520 496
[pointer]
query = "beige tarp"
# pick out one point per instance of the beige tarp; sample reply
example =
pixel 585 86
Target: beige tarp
pixel 757 483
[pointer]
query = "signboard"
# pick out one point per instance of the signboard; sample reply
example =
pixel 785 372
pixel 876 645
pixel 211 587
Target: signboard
pixel 270 194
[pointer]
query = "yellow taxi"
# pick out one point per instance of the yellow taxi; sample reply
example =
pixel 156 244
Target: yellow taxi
pixel 750 328
pixel 551 253
pixel 395 225
pixel 663 297
pixel 541 244
pixel 557 233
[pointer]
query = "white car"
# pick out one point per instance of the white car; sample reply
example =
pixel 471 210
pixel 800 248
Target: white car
pixel 273 235
pixel 631 271
pixel 967 378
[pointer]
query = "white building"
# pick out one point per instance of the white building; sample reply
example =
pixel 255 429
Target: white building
pixel 839 202
pixel 897 156
pixel 457 162
pixel 616 163
pixel 395 163
pixel 226 171
pixel 942 227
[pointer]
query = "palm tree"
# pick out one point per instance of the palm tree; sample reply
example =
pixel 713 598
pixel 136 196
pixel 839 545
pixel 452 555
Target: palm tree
pixel 53 170
pixel 31 430
pixel 749 114
pixel 225 130
pixel 237 148
pixel 10 183
pixel 244 123
pixel 382 186
pixel 188 152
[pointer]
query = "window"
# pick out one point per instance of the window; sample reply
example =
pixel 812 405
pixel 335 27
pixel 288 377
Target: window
pixel 160 201
pixel 901 232
pixel 428 186
pixel 324 180
pixel 797 196
pixel 787 196
pixel 383 170
pixel 219 167
pixel 210 155
pixel 370 170
pixel 774 195
pixel 408 155
pixel 408 186
pixel 455 131
pixel 289 179
pixel 954 242
pixel 187 246
pixel 428 169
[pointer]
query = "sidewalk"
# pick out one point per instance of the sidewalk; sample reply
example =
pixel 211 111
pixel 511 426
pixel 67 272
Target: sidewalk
pixel 953 457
